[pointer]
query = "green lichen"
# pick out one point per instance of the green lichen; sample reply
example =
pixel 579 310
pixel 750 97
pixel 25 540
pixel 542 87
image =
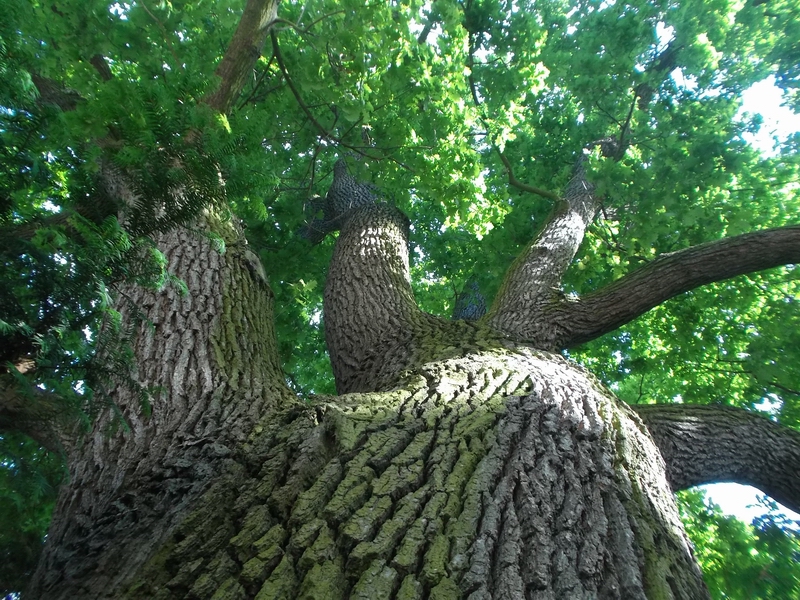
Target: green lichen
pixel 436 558
pixel 311 502
pixel 281 584
pixel 363 524
pixel 410 589
pixel 391 532
pixel 323 549
pixel 323 581
pixel 274 537
pixel 256 523
pixel 231 589
pixel 377 581
pixel 446 589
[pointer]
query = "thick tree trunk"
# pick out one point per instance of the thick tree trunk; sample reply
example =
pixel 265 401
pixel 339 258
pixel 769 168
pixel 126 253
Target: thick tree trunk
pixel 484 469
pixel 499 474
pixel 210 358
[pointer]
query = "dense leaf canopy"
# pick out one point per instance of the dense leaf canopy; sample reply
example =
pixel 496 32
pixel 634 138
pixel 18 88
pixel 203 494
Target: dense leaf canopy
pixel 470 117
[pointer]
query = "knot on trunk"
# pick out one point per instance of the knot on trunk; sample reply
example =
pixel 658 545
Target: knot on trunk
pixel 344 196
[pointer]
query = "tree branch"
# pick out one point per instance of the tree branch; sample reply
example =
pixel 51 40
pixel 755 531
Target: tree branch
pixel 37 414
pixel 243 52
pixel 667 276
pixel 514 182
pixel 531 285
pixel 52 92
pixel 706 444
pixel 310 116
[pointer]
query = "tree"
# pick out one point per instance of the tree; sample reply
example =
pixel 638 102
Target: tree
pixel 468 457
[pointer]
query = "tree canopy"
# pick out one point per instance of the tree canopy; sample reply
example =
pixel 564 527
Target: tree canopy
pixel 468 115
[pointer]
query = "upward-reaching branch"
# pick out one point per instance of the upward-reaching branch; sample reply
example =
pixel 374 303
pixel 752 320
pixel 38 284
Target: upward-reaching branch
pixel 368 298
pixel 574 322
pixel 512 180
pixel 532 282
pixel 243 52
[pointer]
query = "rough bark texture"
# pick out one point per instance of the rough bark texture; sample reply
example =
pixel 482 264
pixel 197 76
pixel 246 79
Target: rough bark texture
pixel 243 52
pixel 499 474
pixel 705 444
pixel 667 276
pixel 471 465
pixel 533 282
pixel 212 353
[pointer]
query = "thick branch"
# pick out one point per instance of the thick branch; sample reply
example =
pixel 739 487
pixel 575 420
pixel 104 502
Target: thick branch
pixel 368 298
pixel 532 282
pixel 52 92
pixel 706 444
pixel 243 52
pixel 666 277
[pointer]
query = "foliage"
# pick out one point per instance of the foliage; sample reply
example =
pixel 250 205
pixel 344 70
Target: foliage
pixel 738 560
pixel 29 477
pixel 121 87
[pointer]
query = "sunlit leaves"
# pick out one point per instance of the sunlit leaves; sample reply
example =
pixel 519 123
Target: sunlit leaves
pixel 742 561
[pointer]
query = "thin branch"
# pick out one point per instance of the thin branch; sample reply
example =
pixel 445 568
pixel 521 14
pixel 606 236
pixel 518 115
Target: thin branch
pixel 627 126
pixel 258 82
pixel 512 180
pixel 164 33
pixel 307 29
pixel 669 275
pixel 707 444
pixel 785 389
pixel 317 125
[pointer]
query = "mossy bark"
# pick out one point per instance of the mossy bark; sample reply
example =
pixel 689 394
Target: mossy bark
pixel 464 465
pixel 499 474
pixel 210 356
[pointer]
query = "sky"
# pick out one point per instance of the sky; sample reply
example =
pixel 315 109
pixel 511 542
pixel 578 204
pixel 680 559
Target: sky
pixel 763 98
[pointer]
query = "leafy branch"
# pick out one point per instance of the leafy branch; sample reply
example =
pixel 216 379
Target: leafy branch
pixel 512 180
pixel 669 275
pixel 325 133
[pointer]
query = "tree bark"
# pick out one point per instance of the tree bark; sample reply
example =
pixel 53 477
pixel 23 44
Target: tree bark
pixel 243 52
pixel 499 474
pixel 481 469
pixel 212 356
pixel 607 309
pixel 706 444
pixel 461 461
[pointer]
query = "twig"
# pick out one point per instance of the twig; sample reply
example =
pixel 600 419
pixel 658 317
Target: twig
pixel 301 30
pixel 258 83
pixel 317 125
pixel 164 33
pixel 512 180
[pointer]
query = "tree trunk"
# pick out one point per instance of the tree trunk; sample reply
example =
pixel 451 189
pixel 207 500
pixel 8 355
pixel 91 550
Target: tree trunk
pixel 469 465
pixel 210 356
